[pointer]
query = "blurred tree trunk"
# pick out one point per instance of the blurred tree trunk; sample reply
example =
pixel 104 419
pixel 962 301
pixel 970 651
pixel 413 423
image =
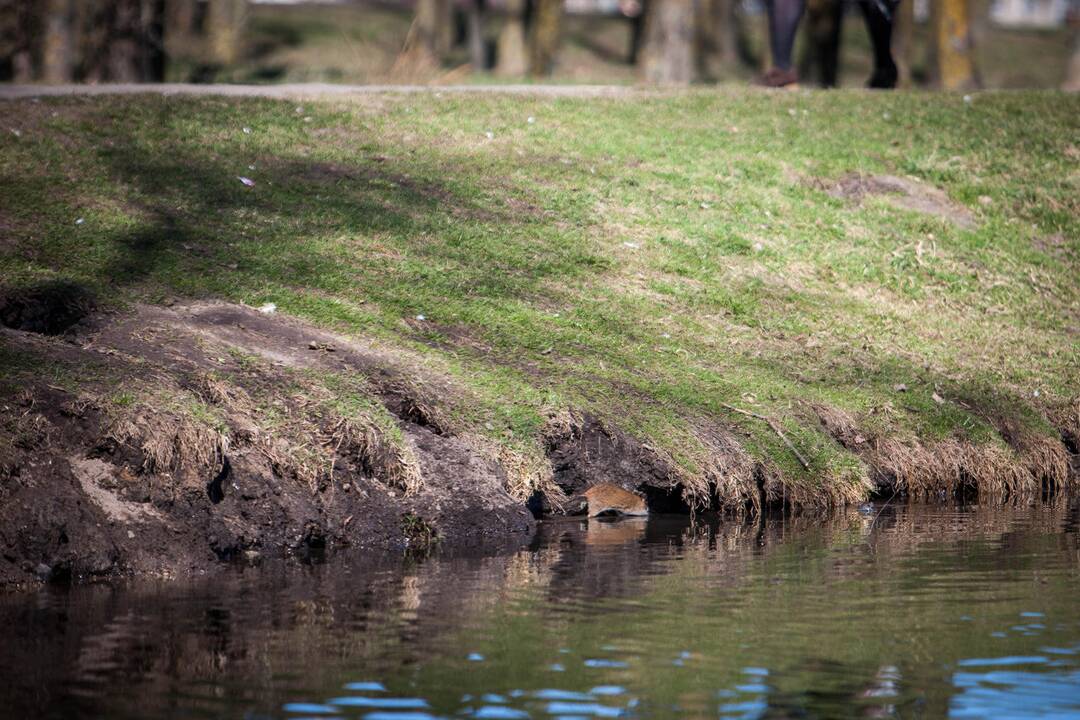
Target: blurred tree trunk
pixel 94 22
pixel 58 42
pixel 904 41
pixel 123 44
pixel 545 32
pixel 19 26
pixel 225 24
pixel 119 40
pixel 511 57
pixel 183 43
pixel 667 56
pixel 152 41
pixel 421 50
pixel 637 32
pixel 180 16
pixel 474 34
pixel 953 47
pixel 1072 73
pixel 824 26
pixel 725 32
pixel 717 50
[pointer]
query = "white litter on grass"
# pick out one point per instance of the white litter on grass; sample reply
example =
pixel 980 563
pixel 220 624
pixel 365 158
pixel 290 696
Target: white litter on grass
pixel 631 245
pixel 80 221
pixel 531 120
pixel 16 133
pixel 967 99
pixel 268 309
pixel 489 135
pixel 247 181
pixel 247 131
pixel 705 206
pixel 251 167
pixel 307 119
pixel 421 318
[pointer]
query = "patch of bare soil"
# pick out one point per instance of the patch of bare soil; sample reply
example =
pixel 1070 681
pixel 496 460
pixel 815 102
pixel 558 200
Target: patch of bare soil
pixel 903 192
pixel 189 435
pixel 90 487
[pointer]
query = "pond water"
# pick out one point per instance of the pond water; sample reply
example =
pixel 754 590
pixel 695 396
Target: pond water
pixel 897 612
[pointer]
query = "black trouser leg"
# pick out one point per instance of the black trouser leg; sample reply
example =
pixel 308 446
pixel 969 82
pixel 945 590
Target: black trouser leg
pixel 879 16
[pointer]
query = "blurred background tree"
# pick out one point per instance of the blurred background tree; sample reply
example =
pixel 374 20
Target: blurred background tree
pixel 956 44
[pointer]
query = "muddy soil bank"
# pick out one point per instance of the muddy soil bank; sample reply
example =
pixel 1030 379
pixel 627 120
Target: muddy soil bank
pixel 165 440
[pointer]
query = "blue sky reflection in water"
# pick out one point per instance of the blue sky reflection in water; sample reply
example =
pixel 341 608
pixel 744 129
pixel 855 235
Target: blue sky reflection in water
pixel 922 612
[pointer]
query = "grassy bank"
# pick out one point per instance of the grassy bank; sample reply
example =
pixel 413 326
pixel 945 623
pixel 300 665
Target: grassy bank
pixel 810 291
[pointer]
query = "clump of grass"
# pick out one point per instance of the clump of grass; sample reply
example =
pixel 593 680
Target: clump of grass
pixel 950 467
pixel 420 534
pixel 393 463
pixel 169 441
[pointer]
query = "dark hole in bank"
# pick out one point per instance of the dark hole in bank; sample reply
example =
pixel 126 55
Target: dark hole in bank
pixel 668 501
pixel 48 308
pixel 215 489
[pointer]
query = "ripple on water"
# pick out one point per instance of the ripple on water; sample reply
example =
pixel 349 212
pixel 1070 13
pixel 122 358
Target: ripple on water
pixel 499 712
pixel 593 709
pixel 1015 694
pixel 608 690
pixel 1061 651
pixel 1000 661
pixel 309 708
pixel 556 694
pixel 383 703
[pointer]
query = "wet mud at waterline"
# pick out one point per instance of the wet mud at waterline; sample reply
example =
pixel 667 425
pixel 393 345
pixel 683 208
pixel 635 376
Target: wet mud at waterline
pixel 896 611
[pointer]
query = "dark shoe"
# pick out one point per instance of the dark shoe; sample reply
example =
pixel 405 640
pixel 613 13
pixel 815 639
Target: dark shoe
pixel 778 78
pixel 884 78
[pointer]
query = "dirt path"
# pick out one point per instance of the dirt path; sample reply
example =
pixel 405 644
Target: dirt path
pixel 315 90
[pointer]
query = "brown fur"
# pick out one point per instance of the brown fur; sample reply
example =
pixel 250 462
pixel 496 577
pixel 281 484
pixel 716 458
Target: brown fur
pixel 606 498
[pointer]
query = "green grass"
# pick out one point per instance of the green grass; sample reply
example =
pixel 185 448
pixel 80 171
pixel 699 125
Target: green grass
pixel 651 260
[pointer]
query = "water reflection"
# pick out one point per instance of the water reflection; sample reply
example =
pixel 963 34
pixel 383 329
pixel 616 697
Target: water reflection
pixel 968 612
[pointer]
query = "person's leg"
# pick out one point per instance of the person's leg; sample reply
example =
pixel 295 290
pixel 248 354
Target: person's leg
pixel 879 16
pixel 784 16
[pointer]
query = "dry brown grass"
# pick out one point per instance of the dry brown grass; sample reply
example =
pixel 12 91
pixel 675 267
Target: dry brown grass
pixel 1024 467
pixel 169 441
pixel 300 435
pixel 726 469
pixel 394 464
